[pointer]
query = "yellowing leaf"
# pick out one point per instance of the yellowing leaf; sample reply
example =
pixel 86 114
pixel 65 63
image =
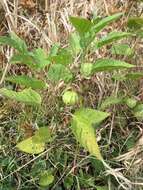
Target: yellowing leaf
pixel 83 130
pixel 46 178
pixel 31 147
pixel 27 96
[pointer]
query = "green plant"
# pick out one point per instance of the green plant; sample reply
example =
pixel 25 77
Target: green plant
pixel 60 65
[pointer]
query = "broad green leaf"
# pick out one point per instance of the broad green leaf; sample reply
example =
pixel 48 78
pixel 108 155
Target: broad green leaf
pixel 112 100
pixel 135 23
pixel 83 130
pixel 14 41
pixel 111 37
pixel 110 65
pixel 59 72
pixel 27 96
pixel 43 135
pixel 27 81
pixel 75 43
pixel 122 49
pixel 40 58
pixel 46 178
pixel 82 25
pixel 31 147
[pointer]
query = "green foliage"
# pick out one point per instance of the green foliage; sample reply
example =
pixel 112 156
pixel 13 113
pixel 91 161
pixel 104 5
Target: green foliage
pixel 112 100
pixel 128 76
pixel 74 41
pixel 42 135
pixel 131 102
pixel 46 178
pixel 83 130
pixel 40 58
pixel 86 69
pixel 88 30
pixel 70 97
pixel 122 49
pixel 138 112
pixel 110 65
pixel 70 64
pixel 30 146
pixel 36 143
pixel 111 37
pixel 63 57
pixel 27 81
pixel 81 25
pixel 59 72
pixel 14 41
pixel 27 96
pixel 135 23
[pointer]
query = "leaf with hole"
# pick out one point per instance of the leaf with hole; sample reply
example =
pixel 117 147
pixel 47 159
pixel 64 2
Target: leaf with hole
pixel 110 65
pixel 27 81
pixel 83 130
pixel 27 96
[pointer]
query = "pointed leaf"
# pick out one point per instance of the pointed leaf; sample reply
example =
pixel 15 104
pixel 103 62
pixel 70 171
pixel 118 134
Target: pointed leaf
pixel 27 96
pixel 83 130
pixel 31 147
pixel 111 37
pixel 105 21
pixel 110 65
pixel 27 81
